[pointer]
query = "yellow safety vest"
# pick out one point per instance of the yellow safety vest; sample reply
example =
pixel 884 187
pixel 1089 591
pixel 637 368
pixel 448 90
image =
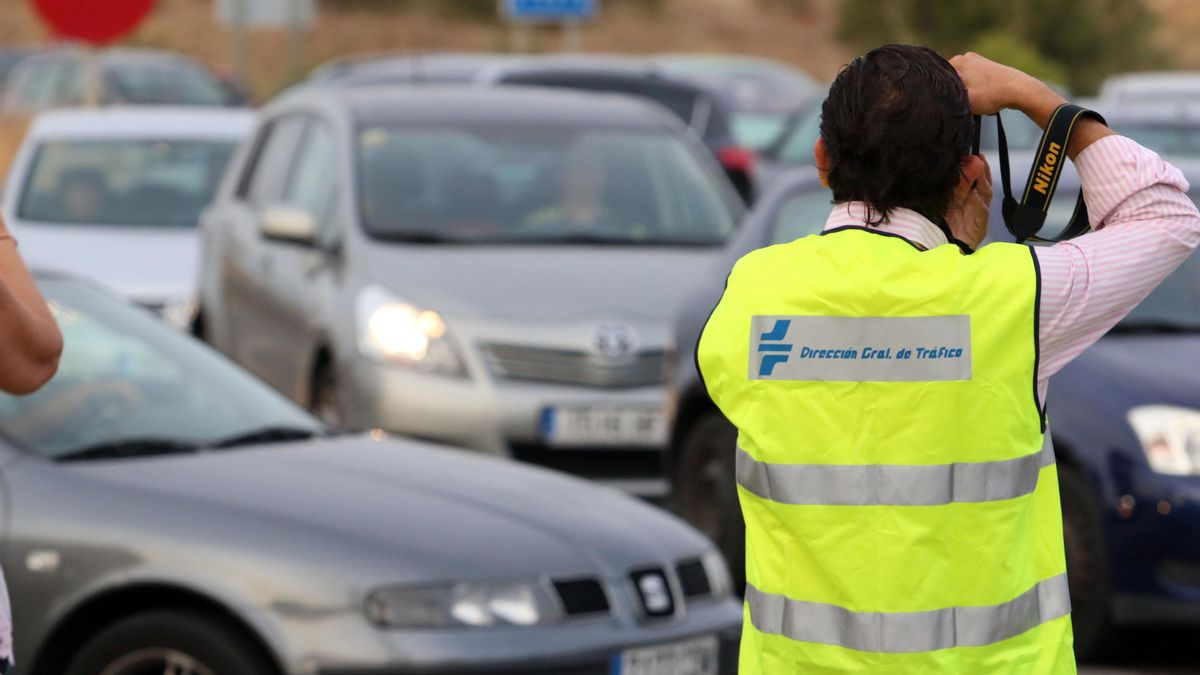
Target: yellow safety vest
pixel 899 491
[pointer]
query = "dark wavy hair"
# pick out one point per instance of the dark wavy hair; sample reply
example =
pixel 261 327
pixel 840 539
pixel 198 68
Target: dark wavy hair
pixel 897 125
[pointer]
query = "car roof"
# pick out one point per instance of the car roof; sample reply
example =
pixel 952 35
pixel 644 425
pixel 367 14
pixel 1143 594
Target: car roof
pixel 143 121
pixel 1156 82
pixel 494 66
pixel 526 105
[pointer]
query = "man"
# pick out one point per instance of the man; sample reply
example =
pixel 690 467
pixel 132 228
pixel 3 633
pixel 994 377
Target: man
pixel 30 344
pixel 888 386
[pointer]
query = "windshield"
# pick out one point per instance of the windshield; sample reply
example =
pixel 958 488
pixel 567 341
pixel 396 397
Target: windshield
pixel 124 375
pixel 530 185
pixel 166 84
pixel 123 182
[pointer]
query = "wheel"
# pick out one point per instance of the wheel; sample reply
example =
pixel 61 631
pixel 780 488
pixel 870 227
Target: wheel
pixel 706 489
pixel 1087 564
pixel 170 642
pixel 323 400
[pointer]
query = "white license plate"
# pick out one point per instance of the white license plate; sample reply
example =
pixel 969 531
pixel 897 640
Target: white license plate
pixel 611 426
pixel 691 657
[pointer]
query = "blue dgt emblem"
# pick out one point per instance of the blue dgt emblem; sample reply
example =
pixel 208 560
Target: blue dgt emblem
pixel 776 350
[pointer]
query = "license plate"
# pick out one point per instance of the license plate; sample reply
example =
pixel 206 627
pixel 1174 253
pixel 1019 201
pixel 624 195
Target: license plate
pixel 611 426
pixel 691 657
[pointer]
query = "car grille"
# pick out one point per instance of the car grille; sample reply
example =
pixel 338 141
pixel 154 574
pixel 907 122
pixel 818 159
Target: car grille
pixel 693 579
pixel 535 364
pixel 582 596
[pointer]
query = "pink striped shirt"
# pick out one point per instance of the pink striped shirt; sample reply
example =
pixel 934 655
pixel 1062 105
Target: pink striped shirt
pixel 1145 226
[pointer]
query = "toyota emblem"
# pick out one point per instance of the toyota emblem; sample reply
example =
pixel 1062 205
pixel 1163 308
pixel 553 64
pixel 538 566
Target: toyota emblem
pixel 615 340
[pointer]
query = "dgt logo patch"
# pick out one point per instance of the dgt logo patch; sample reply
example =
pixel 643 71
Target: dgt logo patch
pixel 773 348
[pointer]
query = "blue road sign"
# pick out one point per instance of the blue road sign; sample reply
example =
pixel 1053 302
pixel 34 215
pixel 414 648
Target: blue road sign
pixel 549 10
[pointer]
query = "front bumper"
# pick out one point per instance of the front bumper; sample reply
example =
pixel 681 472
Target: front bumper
pixel 1155 544
pixel 346 644
pixel 497 417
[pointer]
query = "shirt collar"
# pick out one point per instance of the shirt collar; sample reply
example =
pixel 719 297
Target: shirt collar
pixel 903 222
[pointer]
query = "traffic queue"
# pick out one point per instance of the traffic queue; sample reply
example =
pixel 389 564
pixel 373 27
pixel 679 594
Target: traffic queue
pixel 407 263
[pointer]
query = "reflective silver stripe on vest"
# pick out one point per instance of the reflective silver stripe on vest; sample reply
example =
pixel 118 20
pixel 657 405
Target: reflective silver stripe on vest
pixel 892 484
pixel 902 632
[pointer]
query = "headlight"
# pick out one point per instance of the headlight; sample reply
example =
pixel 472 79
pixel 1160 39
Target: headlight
pixel 719 579
pixel 394 331
pixel 1170 437
pixel 475 604
pixel 180 312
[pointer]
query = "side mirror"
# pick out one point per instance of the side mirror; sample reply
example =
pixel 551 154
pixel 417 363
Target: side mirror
pixel 289 225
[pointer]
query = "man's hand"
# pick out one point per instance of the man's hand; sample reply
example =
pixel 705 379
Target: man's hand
pixel 992 87
pixel 968 215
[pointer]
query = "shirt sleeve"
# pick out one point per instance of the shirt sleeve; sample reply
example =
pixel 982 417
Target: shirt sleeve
pixel 1145 226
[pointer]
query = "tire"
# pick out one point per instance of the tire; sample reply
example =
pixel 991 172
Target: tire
pixel 1087 565
pixel 323 401
pixel 172 641
pixel 706 490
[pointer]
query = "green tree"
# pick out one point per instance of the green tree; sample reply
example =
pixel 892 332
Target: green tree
pixel 1087 40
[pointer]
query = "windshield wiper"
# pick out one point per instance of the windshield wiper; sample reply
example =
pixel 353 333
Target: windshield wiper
pixel 588 238
pixel 129 447
pixel 1152 327
pixel 278 434
pixel 417 238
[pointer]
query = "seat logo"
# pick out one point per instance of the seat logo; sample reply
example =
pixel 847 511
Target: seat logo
pixel 773 348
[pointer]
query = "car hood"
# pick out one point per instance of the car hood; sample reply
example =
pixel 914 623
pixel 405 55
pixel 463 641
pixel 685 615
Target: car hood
pixel 148 264
pixel 541 282
pixel 424 512
pixel 1133 369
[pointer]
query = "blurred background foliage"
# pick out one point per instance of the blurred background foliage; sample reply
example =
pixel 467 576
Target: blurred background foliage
pixel 1073 42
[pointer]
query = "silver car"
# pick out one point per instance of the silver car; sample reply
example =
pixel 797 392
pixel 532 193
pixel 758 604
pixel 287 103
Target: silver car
pixel 114 195
pixel 497 269
pixel 164 512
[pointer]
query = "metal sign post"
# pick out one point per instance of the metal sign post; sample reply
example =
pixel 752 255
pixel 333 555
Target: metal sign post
pixel 522 15
pixel 239 15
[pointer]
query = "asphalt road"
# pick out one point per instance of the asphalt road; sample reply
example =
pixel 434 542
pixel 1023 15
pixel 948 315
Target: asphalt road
pixel 1158 651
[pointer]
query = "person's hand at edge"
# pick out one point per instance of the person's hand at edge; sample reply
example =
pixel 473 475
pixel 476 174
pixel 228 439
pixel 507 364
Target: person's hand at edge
pixel 30 341
pixel 993 87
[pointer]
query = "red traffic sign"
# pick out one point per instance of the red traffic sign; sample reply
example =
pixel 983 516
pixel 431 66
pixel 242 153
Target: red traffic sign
pixel 96 21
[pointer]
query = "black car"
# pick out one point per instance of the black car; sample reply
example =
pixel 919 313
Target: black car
pixel 706 110
pixel 1124 418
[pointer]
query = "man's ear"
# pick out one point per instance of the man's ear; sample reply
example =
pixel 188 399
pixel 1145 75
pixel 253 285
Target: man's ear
pixel 821 155
pixel 969 171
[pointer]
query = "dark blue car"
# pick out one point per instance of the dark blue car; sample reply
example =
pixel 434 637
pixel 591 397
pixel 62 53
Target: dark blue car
pixel 1124 416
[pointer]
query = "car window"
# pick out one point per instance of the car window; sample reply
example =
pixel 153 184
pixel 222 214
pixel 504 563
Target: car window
pixel 801 215
pixel 163 83
pixel 125 375
pixel 151 181
pixel 311 185
pixel 514 183
pixel 684 102
pixel 797 147
pixel 1167 139
pixel 34 86
pixel 68 85
pixel 262 182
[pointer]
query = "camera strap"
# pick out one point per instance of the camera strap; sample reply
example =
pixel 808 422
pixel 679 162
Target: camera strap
pixel 1025 218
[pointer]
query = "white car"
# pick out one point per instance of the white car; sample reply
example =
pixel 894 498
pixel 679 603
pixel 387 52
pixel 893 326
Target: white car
pixel 114 195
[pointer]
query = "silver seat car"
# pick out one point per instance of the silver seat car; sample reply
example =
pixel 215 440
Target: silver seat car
pixel 497 269
pixel 164 512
